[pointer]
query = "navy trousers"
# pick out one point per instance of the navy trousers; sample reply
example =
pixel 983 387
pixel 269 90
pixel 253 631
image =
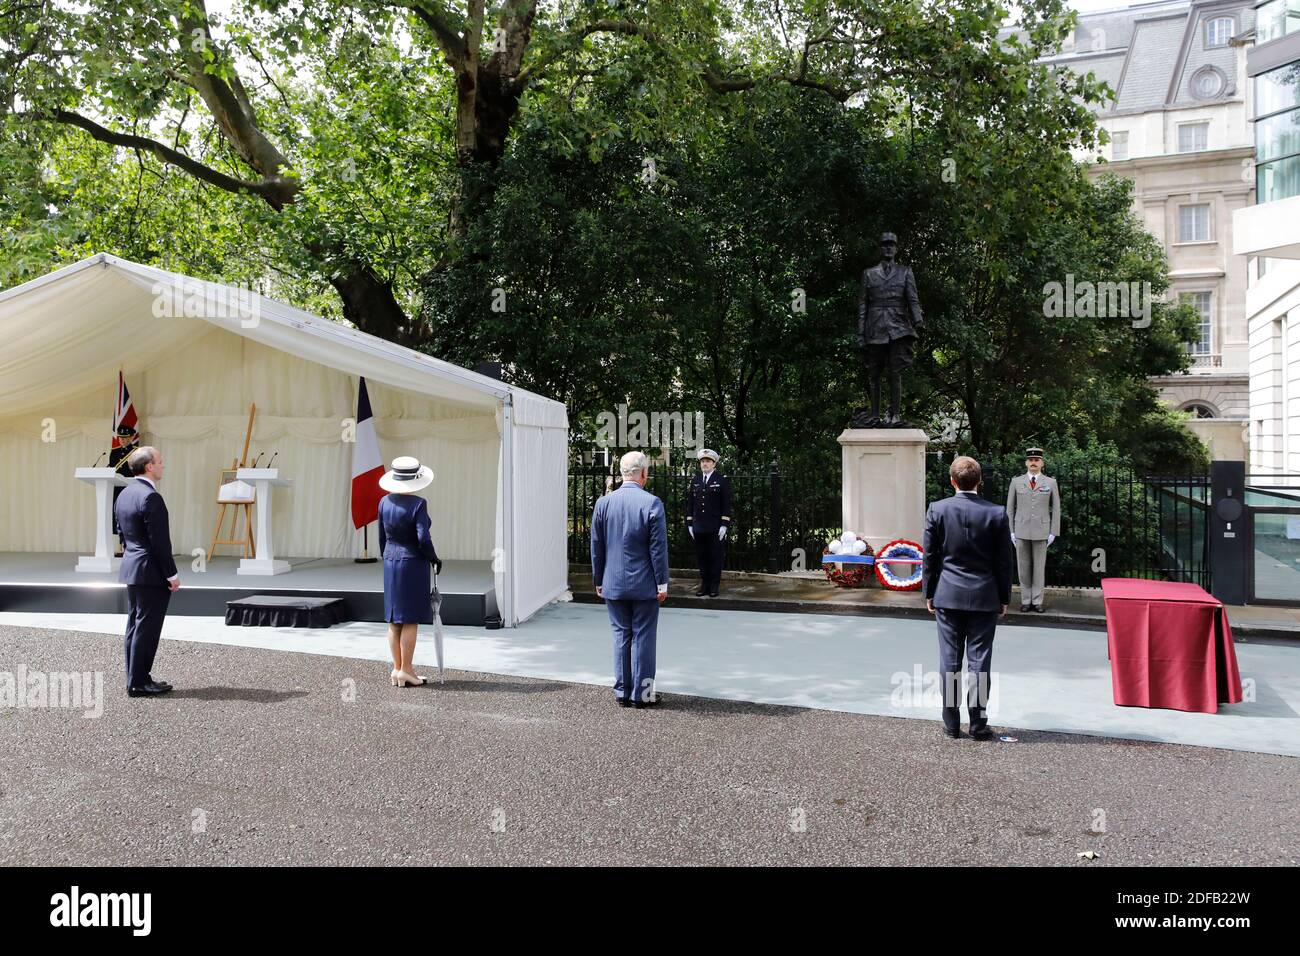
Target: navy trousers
pixel 968 633
pixel 146 609
pixel 636 626
pixel 708 555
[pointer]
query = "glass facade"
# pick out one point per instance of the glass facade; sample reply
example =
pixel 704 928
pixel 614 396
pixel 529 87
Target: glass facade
pixel 1276 19
pixel 1277 133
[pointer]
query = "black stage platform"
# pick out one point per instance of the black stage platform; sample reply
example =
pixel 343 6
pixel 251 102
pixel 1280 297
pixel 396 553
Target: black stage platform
pixel 48 581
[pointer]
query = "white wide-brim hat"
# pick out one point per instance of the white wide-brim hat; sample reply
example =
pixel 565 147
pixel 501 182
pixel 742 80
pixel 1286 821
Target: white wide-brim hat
pixel 707 453
pixel 406 477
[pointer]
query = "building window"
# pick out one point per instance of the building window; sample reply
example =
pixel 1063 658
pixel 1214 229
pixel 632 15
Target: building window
pixel 1218 31
pixel 1194 223
pixel 1193 137
pixel 1119 146
pixel 1207 83
pixel 1201 302
pixel 1200 410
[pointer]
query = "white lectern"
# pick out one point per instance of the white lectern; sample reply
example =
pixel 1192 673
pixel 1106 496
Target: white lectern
pixel 264 480
pixel 102 561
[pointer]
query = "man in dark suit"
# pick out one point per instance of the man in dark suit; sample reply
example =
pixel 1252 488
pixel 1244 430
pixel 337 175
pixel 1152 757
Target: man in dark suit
pixel 967 583
pixel 147 570
pixel 708 516
pixel 629 565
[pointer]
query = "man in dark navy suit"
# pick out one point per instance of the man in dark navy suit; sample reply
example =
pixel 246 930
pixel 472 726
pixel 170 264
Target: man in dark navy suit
pixel 708 516
pixel 147 570
pixel 967 583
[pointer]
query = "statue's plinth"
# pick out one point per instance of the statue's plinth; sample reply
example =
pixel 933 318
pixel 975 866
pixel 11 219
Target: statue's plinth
pixel 884 483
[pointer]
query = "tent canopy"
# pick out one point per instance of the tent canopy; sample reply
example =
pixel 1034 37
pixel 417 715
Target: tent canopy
pixel 196 354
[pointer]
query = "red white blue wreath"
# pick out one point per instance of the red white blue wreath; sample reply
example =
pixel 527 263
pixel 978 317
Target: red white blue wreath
pixel 903 553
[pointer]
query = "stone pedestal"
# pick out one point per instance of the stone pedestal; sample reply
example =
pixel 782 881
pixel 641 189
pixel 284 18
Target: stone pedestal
pixel 884 483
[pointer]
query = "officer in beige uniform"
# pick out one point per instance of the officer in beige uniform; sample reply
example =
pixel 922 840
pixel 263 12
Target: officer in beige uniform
pixel 1034 510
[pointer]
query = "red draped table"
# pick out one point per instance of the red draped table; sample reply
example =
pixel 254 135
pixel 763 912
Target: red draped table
pixel 1170 646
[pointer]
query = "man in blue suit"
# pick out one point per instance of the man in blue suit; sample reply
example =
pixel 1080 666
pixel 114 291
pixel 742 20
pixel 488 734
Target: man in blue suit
pixel 629 564
pixel 967 583
pixel 147 570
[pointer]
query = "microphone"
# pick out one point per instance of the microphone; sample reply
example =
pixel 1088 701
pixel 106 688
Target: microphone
pixel 98 460
pixel 257 459
pixel 268 464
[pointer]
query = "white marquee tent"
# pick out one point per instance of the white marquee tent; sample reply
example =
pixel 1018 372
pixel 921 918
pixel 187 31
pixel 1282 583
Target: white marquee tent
pixel 499 453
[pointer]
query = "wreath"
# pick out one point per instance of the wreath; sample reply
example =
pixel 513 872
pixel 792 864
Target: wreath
pixel 849 575
pixel 900 550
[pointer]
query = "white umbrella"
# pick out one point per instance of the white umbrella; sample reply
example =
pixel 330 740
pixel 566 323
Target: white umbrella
pixel 436 599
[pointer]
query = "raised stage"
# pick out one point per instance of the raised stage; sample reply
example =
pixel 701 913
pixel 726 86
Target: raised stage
pixel 48 581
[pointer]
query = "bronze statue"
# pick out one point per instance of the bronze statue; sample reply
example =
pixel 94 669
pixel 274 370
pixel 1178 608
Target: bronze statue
pixel 889 320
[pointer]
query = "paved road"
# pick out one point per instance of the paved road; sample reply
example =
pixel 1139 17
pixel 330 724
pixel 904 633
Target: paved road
pixel 261 754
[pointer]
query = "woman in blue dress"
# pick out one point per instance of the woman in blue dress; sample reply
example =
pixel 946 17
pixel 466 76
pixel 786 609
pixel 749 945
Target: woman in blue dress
pixel 408 551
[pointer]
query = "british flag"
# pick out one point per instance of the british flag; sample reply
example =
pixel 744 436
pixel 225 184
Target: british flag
pixel 124 415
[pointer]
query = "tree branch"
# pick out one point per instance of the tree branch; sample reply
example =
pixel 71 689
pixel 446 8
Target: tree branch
pixel 164 152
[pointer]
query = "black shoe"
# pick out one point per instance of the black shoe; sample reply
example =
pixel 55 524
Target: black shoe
pixel 1038 609
pixel 147 690
pixel 954 734
pixel 622 702
pixel 1024 609
pixel 713 594
pixel 701 593
pixel 983 733
pixel 162 683
pixel 643 704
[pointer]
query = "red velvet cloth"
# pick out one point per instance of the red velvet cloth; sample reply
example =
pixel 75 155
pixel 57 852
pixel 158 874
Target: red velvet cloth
pixel 1170 646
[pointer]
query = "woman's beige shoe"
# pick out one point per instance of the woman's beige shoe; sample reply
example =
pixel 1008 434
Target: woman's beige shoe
pixel 404 679
pixel 393 677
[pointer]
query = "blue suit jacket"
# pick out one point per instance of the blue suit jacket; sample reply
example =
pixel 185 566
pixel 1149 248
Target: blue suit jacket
pixel 967 554
pixel 629 544
pixel 142 516
pixel 404 529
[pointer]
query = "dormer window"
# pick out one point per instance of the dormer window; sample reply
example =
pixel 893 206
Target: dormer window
pixel 1218 31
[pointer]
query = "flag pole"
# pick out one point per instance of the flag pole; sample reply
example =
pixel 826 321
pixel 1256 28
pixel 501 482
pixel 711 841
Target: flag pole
pixel 365 547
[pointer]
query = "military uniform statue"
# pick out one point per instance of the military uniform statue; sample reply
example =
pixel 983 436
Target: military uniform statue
pixel 889 320
pixel 1034 510
pixel 708 516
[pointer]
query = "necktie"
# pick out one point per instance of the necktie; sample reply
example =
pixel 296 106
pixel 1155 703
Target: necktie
pixel 1033 482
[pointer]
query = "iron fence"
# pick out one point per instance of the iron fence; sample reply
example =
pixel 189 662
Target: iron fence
pixel 1115 523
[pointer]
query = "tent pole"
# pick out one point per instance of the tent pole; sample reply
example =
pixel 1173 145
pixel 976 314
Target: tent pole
pixel 508 510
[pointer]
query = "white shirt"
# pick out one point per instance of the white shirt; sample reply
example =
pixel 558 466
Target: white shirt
pixel 174 577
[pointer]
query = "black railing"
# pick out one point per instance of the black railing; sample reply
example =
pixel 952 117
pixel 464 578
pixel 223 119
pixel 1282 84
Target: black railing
pixel 774 517
pixel 1115 523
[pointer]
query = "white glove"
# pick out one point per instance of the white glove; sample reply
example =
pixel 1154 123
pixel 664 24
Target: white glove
pixel 722 532
pixel 691 529
pixel 1050 539
pixel 1013 539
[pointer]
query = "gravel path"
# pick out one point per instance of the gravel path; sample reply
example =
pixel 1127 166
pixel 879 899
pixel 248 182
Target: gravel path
pixel 268 757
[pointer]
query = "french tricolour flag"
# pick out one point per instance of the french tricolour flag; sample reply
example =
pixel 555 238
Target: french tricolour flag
pixel 367 466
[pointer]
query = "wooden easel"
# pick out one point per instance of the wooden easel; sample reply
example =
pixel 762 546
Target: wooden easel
pixel 246 543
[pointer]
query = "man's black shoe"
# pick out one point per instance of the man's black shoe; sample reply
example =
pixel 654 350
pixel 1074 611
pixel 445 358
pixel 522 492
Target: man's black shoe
pixel 642 704
pixel 701 593
pixel 146 690
pixel 713 594
pixel 982 733
pixel 954 734
pixel 1038 608
pixel 1024 609
pixel 623 702
pixel 163 684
